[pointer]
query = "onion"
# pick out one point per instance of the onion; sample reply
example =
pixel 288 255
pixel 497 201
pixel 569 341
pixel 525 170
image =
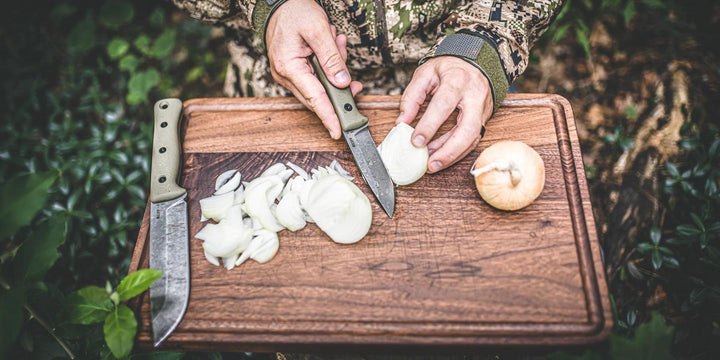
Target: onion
pixel 404 162
pixel 509 175
pixel 260 194
pixel 262 248
pixel 227 182
pixel 339 208
pixel 303 174
pixel 215 207
pixel 335 165
pixel 289 212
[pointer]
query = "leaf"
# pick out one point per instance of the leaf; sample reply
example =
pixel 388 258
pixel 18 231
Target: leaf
pixel 655 235
pixel 11 317
pixel 629 12
pixel 22 197
pixel 117 48
pixel 687 230
pixel 652 340
pixel 657 4
pixel 140 84
pixel 119 329
pixel 39 252
pixel 644 248
pixel 115 13
pixel 142 42
pixel 88 305
pixel 698 222
pixel 657 260
pixel 129 63
pixel 672 169
pixel 163 44
pixel 137 282
pixel 82 36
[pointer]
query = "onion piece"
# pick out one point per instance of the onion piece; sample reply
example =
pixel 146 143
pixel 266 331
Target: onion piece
pixel 262 248
pixel 289 212
pixel 223 184
pixel 274 170
pixel 215 207
pixel 239 197
pixel 298 170
pixel 335 165
pixel 260 194
pixel 212 259
pixel 339 208
pixel 404 162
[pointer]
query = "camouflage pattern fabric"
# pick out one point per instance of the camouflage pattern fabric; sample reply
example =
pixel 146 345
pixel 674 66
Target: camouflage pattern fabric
pixel 386 39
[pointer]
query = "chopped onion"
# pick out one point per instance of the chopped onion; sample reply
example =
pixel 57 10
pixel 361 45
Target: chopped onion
pixel 260 194
pixel 404 162
pixel 290 213
pixel 262 248
pixel 274 170
pixel 215 207
pixel 225 184
pixel 239 197
pixel 335 165
pixel 303 174
pixel 339 208
pixel 212 259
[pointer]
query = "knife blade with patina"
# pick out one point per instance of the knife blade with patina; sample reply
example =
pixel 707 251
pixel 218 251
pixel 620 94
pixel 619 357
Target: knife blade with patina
pixel 169 248
pixel 355 130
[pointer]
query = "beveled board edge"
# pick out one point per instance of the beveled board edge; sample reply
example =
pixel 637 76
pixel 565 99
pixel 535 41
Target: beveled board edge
pixel 492 335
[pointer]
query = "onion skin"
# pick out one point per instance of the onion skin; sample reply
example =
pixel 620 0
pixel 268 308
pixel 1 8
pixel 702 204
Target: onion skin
pixel 496 186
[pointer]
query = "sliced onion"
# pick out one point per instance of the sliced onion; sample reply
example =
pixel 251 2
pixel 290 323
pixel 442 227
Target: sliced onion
pixel 239 197
pixel 335 165
pixel 274 170
pixel 290 213
pixel 212 259
pixel 339 208
pixel 228 238
pixel 215 207
pixel 225 183
pixel 260 194
pixel 262 248
pixel 303 174
pixel 404 162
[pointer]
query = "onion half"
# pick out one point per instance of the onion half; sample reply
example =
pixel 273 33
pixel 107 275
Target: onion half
pixel 404 162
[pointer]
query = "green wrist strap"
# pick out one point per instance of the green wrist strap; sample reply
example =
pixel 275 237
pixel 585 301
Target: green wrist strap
pixel 261 16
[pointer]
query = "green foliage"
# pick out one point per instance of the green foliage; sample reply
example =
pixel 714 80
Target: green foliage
pixel 120 328
pixel 135 283
pixel 22 198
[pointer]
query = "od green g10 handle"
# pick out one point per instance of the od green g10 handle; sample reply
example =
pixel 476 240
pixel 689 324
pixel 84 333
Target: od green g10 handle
pixel 342 100
pixel 166 151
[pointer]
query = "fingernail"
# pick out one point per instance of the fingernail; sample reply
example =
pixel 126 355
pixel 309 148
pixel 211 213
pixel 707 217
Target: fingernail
pixel 342 77
pixel 435 165
pixel 419 141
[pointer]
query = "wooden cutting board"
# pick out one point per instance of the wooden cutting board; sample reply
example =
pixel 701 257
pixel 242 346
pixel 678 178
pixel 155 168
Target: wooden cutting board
pixel 447 271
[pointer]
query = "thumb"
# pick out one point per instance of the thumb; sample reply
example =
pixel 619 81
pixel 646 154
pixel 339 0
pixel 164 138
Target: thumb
pixel 332 62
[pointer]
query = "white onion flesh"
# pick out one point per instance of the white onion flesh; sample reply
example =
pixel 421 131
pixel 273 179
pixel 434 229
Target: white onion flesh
pixel 298 170
pixel 274 170
pixel 260 194
pixel 215 207
pixel 229 185
pixel 339 208
pixel 335 165
pixel 290 213
pixel 263 247
pixel 404 162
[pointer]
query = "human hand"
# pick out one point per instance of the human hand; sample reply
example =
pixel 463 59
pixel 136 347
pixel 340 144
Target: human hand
pixel 291 39
pixel 453 83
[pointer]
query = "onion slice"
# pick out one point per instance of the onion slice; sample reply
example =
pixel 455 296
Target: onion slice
pixel 262 248
pixel 260 194
pixel 339 208
pixel 227 182
pixel 215 207
pixel 404 162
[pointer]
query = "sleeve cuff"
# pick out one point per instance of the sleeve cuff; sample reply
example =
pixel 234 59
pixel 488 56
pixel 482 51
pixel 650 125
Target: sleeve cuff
pixel 479 52
pixel 261 15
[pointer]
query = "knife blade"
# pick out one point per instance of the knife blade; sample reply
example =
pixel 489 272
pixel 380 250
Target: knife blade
pixel 169 248
pixel 355 130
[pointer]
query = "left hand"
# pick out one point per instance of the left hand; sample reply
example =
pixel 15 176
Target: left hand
pixel 453 84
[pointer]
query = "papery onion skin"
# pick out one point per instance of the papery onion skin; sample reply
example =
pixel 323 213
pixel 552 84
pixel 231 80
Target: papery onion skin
pixel 496 188
pixel 404 162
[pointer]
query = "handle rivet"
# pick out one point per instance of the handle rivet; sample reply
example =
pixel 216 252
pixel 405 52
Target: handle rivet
pixel 162 150
pixel 162 179
pixel 164 106
pixel 163 124
pixel 348 107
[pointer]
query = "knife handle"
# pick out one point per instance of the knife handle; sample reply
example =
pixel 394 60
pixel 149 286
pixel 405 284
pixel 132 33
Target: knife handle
pixel 166 151
pixel 341 99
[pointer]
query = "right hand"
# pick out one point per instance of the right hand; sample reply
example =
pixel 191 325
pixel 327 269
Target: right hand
pixel 291 39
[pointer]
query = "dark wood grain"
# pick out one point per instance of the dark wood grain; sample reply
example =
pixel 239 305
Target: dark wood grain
pixel 447 271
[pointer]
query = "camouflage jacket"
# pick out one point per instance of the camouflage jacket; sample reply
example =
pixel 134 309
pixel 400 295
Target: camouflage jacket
pixel 493 35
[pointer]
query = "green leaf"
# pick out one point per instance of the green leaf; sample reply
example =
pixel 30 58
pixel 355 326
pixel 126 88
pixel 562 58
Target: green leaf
pixel 22 197
pixel 39 252
pixel 119 329
pixel 698 222
pixel 644 248
pixel 163 44
pixel 129 63
pixel 655 235
pixel 194 74
pixel 117 48
pixel 137 282
pixel 82 36
pixel 157 17
pixel 672 169
pixel 629 12
pixel 88 305
pixel 115 13
pixel 140 84
pixel 11 317
pixel 652 340
pixel 657 260
pixel 687 230
pixel 657 4
pixel 142 43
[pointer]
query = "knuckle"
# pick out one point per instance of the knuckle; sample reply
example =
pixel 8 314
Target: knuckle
pixel 332 61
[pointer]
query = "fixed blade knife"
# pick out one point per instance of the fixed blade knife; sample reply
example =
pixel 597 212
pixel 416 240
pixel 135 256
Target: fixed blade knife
pixel 355 130
pixel 169 247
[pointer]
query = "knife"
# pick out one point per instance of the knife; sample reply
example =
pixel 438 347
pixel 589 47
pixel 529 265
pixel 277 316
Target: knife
pixel 169 248
pixel 362 146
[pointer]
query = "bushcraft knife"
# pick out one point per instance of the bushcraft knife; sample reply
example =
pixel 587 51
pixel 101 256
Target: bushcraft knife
pixel 169 248
pixel 356 133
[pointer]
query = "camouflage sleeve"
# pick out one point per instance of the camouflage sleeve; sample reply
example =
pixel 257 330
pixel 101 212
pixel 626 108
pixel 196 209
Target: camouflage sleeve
pixel 236 14
pixel 496 37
